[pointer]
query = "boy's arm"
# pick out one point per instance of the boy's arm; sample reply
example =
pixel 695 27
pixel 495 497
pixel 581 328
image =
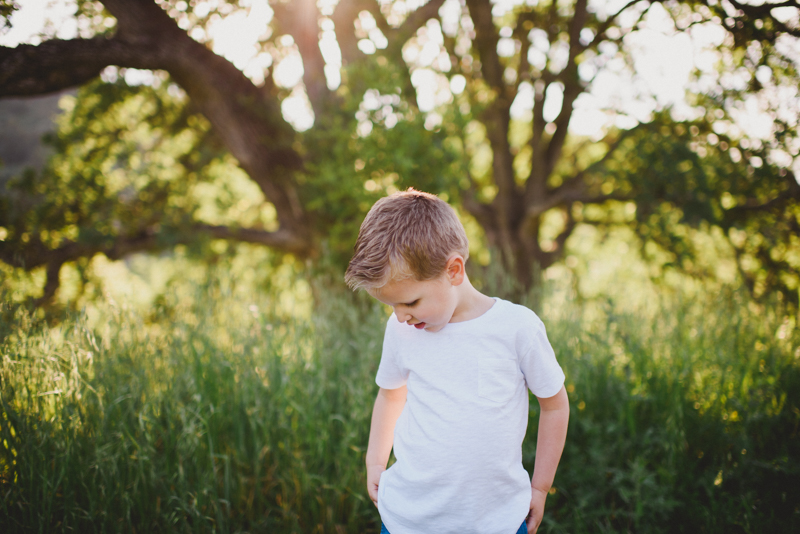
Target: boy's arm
pixel 388 406
pixel 552 434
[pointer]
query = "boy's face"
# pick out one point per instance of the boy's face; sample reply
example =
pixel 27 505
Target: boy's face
pixel 428 304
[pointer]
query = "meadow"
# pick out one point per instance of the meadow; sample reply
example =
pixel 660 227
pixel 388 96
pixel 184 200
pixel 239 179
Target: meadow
pixel 219 409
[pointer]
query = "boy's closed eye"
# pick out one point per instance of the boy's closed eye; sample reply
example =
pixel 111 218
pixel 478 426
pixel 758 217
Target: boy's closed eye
pixel 412 304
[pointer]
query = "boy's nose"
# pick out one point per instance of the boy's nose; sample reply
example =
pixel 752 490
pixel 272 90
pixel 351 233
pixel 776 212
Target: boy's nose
pixel 402 316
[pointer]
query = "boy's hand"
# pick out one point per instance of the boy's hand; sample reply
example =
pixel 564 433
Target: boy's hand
pixel 373 477
pixel 537 510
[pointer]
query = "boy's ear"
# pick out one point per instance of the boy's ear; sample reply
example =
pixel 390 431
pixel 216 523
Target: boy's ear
pixel 455 269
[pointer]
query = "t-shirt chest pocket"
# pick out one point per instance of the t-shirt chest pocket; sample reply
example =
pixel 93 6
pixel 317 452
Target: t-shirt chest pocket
pixel 498 379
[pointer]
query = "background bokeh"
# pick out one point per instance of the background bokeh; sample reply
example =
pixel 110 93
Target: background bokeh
pixel 181 187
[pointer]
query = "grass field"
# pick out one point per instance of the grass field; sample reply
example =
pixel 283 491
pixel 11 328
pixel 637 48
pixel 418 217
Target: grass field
pixel 213 412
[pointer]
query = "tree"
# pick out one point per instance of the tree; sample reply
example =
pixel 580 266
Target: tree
pixel 372 134
pixel 688 175
pixel 116 133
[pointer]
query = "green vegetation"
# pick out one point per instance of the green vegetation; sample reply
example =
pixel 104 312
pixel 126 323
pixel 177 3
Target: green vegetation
pixel 207 405
pixel 221 409
pixel 167 144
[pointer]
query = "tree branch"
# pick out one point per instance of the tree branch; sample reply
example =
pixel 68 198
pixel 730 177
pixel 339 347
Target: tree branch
pixel 486 38
pixel 753 205
pixel 300 19
pixel 497 116
pixel 144 31
pixel 546 259
pixel 603 28
pixel 347 11
pixel 764 11
pixel 524 23
pixel 399 37
pixel 37 254
pixel 55 65
pixel 344 16
pixel 572 88
pixel 415 21
pixel 574 189
pixel 52 283
pixel 280 239
pixel 250 125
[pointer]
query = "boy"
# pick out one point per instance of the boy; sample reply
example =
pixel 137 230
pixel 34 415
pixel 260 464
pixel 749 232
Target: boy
pixel 454 378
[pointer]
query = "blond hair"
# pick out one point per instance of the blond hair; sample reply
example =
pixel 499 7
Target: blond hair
pixel 409 234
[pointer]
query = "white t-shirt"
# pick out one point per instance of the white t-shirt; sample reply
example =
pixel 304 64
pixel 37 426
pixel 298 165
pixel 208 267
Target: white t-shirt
pixel 458 441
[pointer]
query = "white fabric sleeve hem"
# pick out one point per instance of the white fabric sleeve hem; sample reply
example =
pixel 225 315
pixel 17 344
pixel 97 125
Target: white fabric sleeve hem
pixel 391 384
pixel 551 389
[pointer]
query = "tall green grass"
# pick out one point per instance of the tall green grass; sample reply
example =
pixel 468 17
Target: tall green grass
pixel 685 419
pixel 214 413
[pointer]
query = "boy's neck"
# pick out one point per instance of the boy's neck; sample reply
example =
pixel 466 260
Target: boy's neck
pixel 471 303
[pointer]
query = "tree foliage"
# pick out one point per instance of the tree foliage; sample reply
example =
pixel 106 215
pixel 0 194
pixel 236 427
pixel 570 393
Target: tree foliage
pixel 560 51
pixel 7 7
pixel 203 151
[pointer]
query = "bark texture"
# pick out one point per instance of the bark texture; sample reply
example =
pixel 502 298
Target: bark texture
pixel 246 118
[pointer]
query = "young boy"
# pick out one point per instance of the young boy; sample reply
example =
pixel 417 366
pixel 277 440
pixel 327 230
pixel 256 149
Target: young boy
pixel 454 378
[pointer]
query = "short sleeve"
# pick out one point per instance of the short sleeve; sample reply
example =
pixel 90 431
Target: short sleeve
pixel 538 362
pixel 391 374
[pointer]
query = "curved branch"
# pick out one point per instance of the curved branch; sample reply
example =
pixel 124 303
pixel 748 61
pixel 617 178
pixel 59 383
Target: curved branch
pixel 764 11
pixel 497 117
pixel 604 27
pixel 572 190
pixel 343 17
pixel 300 19
pixel 29 70
pixel 486 38
pixel 572 88
pixel 279 239
pixel 51 285
pixel 415 21
pixel 398 38
pixel 145 39
pixel 249 123
pixel 37 254
pixel 546 259
pixel 780 201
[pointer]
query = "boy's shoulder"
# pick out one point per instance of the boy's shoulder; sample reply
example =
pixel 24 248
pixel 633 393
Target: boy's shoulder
pixel 513 311
pixel 512 321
